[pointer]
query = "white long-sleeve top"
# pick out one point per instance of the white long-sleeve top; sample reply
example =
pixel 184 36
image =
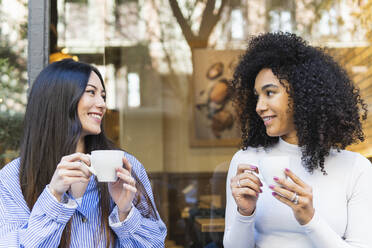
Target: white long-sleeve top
pixel 342 201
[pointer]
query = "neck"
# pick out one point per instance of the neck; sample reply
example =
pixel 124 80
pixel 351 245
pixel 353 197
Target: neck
pixel 80 145
pixel 291 139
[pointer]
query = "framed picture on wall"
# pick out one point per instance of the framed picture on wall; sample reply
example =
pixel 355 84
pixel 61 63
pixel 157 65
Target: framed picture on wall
pixel 214 121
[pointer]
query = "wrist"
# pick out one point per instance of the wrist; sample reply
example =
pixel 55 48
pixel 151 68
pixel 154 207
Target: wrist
pixel 123 214
pixel 55 194
pixel 246 212
pixel 307 218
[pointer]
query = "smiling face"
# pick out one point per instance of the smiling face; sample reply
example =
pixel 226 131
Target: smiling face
pixel 272 106
pixel 92 106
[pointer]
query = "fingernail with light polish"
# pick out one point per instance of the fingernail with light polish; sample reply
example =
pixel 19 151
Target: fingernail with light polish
pixel 253 167
pixel 287 170
pixel 274 193
pixel 275 178
pixel 271 186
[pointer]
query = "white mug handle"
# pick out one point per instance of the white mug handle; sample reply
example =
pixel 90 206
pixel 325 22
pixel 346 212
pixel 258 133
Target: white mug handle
pixel 90 168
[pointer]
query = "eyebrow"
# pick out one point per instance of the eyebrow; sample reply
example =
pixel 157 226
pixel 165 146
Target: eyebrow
pixel 91 85
pixel 266 86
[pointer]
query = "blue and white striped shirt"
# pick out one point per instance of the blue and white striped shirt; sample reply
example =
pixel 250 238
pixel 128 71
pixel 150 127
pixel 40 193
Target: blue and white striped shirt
pixel 43 226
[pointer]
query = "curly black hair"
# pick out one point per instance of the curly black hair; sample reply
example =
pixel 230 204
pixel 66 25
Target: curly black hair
pixel 327 107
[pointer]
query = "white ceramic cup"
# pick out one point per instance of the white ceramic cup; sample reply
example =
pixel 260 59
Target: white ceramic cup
pixel 273 166
pixel 104 163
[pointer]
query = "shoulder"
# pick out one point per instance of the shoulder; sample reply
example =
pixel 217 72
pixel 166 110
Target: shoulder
pixel 10 170
pixel 349 158
pixel 358 171
pixel 352 164
pixel 139 171
pixel 137 167
pixel 9 178
pixel 362 164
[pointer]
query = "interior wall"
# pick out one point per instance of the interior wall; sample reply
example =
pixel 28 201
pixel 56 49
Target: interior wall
pixel 180 157
pixel 142 135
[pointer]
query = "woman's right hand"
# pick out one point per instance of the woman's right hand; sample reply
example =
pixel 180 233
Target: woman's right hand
pixel 245 188
pixel 69 170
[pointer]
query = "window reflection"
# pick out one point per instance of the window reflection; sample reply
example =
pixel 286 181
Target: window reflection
pixel 280 20
pixel 13 76
pixel 134 99
pixel 146 50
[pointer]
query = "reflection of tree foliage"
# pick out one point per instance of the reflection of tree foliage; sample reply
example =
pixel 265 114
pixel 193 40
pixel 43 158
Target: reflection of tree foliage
pixel 13 84
pixel 208 20
pixel 13 68
pixel 11 127
pixel 309 27
pixel 195 27
pixel 364 14
pixel 179 25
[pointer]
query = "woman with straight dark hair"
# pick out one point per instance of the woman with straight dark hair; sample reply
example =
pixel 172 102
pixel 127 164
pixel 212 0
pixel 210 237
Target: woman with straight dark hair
pixel 297 105
pixel 48 198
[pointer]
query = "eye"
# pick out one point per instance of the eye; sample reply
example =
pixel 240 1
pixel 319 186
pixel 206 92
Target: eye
pixel 91 92
pixel 103 97
pixel 269 93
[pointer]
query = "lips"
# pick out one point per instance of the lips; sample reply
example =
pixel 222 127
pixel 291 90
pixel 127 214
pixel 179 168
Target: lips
pixel 268 119
pixel 96 116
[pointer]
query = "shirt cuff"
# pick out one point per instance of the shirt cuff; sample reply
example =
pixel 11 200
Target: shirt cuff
pixel 79 200
pixel 246 219
pixel 127 227
pixel 58 211
pixel 114 217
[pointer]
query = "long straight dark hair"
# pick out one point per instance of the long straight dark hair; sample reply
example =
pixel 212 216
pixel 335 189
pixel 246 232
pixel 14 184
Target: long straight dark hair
pixel 52 130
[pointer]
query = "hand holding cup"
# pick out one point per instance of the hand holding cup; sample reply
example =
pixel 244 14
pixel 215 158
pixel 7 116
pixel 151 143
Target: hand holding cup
pixel 70 170
pixel 245 188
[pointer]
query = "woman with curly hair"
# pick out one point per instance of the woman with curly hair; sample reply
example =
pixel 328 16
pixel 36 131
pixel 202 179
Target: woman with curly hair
pixel 294 100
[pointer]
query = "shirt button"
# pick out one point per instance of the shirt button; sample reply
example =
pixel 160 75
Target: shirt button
pixel 83 219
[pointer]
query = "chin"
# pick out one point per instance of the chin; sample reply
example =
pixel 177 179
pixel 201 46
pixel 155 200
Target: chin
pixel 92 131
pixel 96 132
pixel 272 134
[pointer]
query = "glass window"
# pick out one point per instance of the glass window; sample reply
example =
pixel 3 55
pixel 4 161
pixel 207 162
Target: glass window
pixel 134 99
pixel 167 65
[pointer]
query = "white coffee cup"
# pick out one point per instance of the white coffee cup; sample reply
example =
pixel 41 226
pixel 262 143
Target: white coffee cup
pixel 273 166
pixel 104 164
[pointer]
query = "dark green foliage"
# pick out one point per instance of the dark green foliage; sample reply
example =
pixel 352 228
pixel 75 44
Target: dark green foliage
pixel 13 86
pixel 11 127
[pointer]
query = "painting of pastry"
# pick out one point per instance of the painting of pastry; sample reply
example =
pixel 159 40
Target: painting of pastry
pixel 213 116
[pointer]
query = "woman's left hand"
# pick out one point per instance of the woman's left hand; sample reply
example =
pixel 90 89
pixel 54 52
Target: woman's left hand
pixel 123 190
pixel 297 195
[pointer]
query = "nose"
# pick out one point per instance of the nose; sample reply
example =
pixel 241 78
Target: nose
pixel 260 105
pixel 100 102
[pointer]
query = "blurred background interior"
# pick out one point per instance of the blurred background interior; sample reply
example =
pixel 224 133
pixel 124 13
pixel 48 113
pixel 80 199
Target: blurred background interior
pixel 166 66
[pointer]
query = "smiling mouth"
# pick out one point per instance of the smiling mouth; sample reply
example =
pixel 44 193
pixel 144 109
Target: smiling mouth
pixel 95 116
pixel 267 119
